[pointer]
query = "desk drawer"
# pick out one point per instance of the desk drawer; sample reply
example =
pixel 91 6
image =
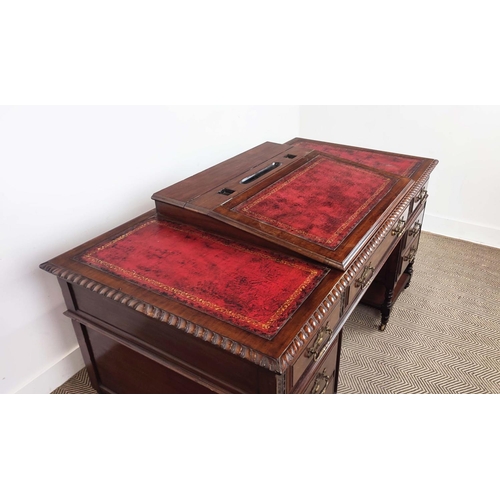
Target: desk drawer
pixel 317 346
pixel 414 230
pixel 366 274
pixel 408 255
pixel 420 197
pixel 323 381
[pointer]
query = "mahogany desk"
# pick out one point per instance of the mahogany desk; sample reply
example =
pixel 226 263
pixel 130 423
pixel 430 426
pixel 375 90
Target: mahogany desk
pixel 241 279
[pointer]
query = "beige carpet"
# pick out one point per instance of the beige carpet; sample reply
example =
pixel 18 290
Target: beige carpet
pixel 443 336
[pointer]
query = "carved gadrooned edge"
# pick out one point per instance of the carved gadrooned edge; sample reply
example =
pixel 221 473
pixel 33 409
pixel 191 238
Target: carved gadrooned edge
pixel 315 321
pixel 165 317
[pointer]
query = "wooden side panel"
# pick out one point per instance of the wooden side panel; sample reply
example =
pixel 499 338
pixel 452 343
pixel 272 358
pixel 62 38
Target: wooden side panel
pixel 180 348
pixel 122 370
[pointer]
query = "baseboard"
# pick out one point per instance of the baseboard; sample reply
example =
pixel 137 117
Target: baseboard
pixel 475 233
pixel 56 375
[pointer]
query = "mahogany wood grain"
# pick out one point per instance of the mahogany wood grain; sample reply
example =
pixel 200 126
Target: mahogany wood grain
pixel 167 341
pixel 194 186
pixel 213 198
pixel 125 371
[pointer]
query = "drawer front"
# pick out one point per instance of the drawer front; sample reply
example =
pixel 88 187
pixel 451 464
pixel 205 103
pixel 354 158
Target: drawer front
pixel 420 197
pixel 323 380
pixel 367 273
pixel 317 346
pixel 414 229
pixel 408 255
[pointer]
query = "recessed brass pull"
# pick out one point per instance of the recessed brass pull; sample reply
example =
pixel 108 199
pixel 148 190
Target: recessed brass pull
pixel 317 382
pixel 398 229
pixel 422 195
pixel 314 350
pixel 260 173
pixel 411 255
pixel 415 229
pixel 365 277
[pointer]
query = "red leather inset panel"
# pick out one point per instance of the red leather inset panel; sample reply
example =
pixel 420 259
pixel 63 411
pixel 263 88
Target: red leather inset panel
pixel 243 285
pixel 322 201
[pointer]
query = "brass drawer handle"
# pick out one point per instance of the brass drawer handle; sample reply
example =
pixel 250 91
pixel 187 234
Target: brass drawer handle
pixel 313 351
pixel 411 255
pixel 415 229
pixel 317 382
pixel 398 229
pixel 365 277
pixel 422 195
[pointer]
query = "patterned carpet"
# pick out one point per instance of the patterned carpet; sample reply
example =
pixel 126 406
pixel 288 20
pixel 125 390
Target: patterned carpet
pixel 443 336
pixel 77 384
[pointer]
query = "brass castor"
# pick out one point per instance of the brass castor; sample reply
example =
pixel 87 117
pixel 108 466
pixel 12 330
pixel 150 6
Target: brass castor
pixel 382 327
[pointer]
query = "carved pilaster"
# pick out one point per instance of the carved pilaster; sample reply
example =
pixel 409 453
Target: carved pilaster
pixel 280 383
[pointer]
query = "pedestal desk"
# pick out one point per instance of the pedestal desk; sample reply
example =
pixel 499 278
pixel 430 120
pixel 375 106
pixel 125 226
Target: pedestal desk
pixel 242 277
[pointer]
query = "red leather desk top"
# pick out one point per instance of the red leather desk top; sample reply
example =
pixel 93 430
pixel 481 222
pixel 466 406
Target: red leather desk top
pixel 249 287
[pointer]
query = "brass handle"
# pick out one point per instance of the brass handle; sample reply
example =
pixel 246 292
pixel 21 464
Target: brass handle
pixel 415 229
pixel 411 255
pixel 398 229
pixel 260 173
pixel 365 277
pixel 317 382
pixel 422 195
pixel 313 351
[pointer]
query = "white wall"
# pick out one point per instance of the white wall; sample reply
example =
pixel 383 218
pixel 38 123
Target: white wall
pixel 70 173
pixel 465 186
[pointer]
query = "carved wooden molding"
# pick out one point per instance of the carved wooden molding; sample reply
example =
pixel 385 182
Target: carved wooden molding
pixel 165 317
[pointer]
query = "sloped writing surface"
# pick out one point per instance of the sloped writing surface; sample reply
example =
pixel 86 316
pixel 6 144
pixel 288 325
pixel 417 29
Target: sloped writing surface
pixel 322 201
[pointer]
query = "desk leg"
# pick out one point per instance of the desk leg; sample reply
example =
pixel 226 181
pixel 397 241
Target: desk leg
pixel 409 272
pixel 81 334
pixel 88 356
pixel 386 308
pixel 337 368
